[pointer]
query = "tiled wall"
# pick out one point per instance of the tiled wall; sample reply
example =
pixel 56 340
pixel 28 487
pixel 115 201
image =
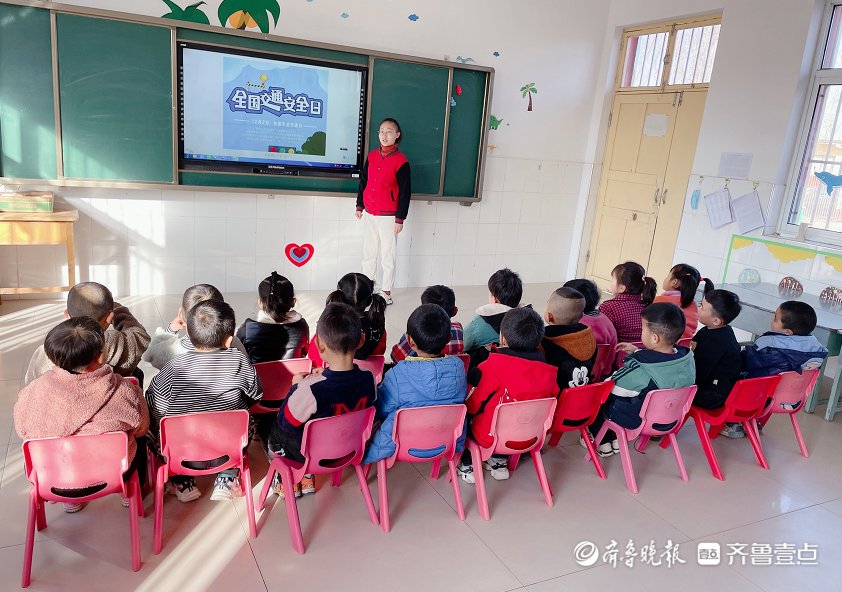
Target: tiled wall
pixel 159 242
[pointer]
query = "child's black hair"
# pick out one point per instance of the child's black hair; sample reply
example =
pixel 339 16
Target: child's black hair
pixel 587 289
pixel 397 125
pixel 798 317
pixel 339 328
pixel 441 295
pixel 90 299
pixel 277 296
pixel 73 344
pixel 429 328
pixel 726 305
pixel 688 278
pixel 633 276
pixel 357 291
pixel 506 287
pixel 199 293
pixel 666 320
pixel 523 329
pixel 210 324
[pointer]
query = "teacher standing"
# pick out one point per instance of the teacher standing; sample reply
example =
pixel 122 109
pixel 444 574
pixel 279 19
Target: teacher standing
pixel 383 203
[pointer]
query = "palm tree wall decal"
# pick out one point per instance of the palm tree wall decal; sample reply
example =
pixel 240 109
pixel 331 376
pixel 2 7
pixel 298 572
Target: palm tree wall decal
pixel 192 13
pixel 242 14
pixel 529 90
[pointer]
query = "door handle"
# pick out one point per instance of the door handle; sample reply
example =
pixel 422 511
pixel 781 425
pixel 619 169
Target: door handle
pixel 657 191
pixel 664 197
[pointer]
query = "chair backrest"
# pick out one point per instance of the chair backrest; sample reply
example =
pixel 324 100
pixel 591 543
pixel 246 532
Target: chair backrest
pixel 521 426
pixel 77 468
pixel 373 364
pixel 132 379
pixel 276 377
pixel 332 443
pixel 792 391
pixel 602 365
pixel 748 397
pixel 621 355
pixel 466 359
pixel 578 406
pixel 424 434
pixel 685 342
pixel 204 443
pixel 663 411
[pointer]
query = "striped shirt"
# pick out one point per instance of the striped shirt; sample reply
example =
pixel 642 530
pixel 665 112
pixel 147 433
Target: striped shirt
pixel 218 380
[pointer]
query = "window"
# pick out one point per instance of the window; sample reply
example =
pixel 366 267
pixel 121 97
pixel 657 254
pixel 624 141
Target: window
pixel 816 197
pixel 678 54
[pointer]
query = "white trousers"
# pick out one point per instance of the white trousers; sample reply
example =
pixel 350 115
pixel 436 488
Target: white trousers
pixel 379 236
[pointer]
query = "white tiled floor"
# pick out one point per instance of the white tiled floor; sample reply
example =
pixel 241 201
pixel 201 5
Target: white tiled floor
pixel 525 546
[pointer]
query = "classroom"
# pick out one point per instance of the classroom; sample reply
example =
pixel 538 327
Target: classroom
pixel 619 219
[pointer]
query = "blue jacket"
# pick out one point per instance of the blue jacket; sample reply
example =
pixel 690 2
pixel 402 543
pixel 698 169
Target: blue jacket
pixel 774 353
pixel 415 382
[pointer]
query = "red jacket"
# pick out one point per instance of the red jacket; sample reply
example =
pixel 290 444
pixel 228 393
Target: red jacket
pixel 507 378
pixel 385 185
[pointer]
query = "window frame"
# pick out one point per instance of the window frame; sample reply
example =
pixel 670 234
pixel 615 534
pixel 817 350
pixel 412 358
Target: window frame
pixel 818 78
pixel 669 27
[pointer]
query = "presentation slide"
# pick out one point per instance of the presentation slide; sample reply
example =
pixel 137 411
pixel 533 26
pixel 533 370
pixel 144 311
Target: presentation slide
pixel 239 108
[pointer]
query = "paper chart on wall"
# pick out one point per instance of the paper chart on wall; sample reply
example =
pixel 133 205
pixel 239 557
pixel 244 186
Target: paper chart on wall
pixel 718 205
pixel 748 213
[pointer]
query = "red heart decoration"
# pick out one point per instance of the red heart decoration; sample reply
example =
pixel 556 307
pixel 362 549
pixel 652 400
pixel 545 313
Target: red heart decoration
pixel 298 255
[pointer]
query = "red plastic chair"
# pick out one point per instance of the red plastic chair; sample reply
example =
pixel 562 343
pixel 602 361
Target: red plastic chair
pixel 789 398
pixel 621 355
pixel 328 446
pixel 424 434
pixel 517 428
pixel 662 414
pixel 576 409
pixel 745 403
pixel 276 380
pixel 685 342
pixel 78 469
pixel 602 364
pixel 373 364
pixel 198 444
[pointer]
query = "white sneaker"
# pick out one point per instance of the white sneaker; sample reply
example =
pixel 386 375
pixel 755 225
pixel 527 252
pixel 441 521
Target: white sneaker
pixel 497 467
pixel 186 491
pixel 387 298
pixel 466 472
pixel 226 488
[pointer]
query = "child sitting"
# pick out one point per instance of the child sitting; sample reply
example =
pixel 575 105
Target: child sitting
pixel 210 377
pixel 125 338
pixel 504 293
pixel 338 389
pixel 444 297
pixel 568 344
pixel 80 395
pixel 425 377
pixel 357 291
pixel 680 287
pixel 716 350
pixel 660 365
pixel 279 333
pixel 633 291
pixel 789 346
pixel 601 326
pixel 515 372
pixel 166 343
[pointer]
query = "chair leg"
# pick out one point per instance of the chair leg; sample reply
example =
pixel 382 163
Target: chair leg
pixel 383 496
pixel 542 476
pixel 267 483
pixel 141 510
pixel 434 470
pixel 798 436
pixel 134 526
pixel 369 503
pixel 336 479
pixel 641 444
pixel 594 457
pixel 295 534
pixel 625 457
pixel 555 437
pixel 479 481
pixel 750 428
pixel 457 494
pixel 26 574
pixel 512 461
pixel 245 476
pixel 708 448
pixel 596 441
pixel 160 480
pixel 680 461
pixel 41 516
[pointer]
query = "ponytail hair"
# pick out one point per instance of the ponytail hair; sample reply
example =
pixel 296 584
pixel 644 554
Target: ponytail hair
pixel 688 278
pixel 277 296
pixel 632 275
pixel 357 290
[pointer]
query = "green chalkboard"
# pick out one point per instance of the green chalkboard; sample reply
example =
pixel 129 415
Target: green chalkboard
pixel 27 116
pixel 415 95
pixel 279 182
pixel 464 133
pixel 115 87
